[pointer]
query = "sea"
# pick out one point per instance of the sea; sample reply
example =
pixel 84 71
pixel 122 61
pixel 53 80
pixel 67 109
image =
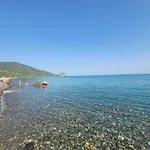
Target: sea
pixel 110 112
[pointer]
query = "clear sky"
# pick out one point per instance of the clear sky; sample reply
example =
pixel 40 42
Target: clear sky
pixel 79 37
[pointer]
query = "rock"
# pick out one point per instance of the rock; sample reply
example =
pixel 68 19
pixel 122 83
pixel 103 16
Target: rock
pixel 12 139
pixel 1 93
pixel 28 141
pixel 38 84
pixel 5 83
pixel 121 138
pixel 29 146
pixel 3 87
pixel 48 142
pixel 79 133
pixel 87 145
pixel 143 148
pixel 92 147
pixel 6 80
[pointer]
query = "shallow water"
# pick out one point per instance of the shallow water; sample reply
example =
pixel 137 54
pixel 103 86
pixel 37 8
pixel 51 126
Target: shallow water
pixel 91 112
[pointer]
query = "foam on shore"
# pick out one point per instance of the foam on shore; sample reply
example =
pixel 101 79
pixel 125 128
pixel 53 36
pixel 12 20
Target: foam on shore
pixel 5 92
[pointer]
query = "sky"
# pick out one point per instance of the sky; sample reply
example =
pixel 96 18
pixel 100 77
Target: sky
pixel 79 37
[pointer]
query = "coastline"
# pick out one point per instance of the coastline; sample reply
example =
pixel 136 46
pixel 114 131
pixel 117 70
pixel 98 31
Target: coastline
pixel 4 92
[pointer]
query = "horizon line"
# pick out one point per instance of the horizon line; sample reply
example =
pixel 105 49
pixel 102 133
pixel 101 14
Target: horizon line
pixel 112 74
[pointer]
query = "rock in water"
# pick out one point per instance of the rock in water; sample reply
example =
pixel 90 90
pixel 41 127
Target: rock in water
pixel 38 84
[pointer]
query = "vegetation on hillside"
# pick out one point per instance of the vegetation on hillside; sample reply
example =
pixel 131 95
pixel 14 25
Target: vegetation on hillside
pixel 15 69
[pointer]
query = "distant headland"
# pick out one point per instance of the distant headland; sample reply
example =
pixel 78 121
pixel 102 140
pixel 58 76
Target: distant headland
pixel 62 74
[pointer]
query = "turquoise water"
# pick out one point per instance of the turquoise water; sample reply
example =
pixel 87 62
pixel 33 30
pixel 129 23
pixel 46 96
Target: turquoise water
pixel 88 112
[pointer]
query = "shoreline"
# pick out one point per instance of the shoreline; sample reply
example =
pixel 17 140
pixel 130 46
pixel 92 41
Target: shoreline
pixel 5 92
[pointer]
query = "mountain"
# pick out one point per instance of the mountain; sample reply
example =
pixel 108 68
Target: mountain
pixel 15 69
pixel 62 74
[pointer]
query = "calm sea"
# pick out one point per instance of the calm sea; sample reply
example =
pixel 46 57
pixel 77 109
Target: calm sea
pixel 88 112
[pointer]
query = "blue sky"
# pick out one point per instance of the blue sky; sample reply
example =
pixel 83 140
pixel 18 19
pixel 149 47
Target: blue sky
pixel 79 37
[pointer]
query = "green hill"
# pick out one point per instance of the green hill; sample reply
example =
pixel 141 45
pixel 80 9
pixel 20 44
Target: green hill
pixel 15 69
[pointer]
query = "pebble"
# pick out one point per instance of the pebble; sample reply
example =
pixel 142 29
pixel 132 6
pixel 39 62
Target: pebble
pixel 120 137
pixel 87 143
pixel 144 148
pixel 12 139
pixel 48 142
pixel 79 133
pixel 92 147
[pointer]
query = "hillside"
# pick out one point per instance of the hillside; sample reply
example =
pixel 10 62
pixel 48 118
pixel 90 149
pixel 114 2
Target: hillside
pixel 62 74
pixel 15 69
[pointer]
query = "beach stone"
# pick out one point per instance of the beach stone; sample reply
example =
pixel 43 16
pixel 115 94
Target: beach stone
pixel 12 139
pixel 144 148
pixel 48 142
pixel 92 147
pixel 29 146
pixel 121 138
pixel 38 84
